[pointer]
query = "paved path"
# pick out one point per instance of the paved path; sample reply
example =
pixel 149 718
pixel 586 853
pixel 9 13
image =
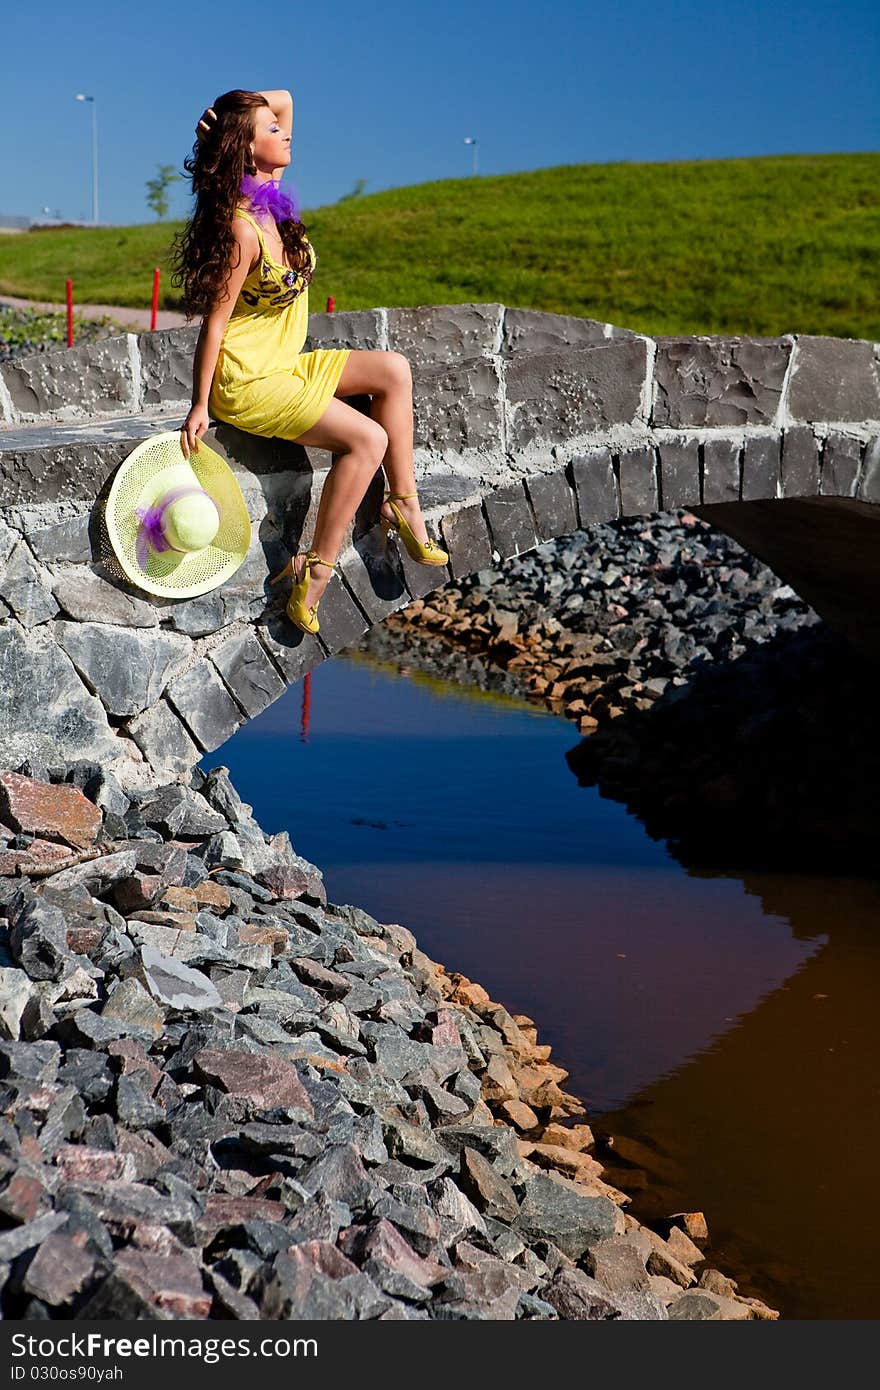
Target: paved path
pixel 137 320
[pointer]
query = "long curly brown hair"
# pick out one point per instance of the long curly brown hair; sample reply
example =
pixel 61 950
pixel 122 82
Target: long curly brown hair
pixel 202 253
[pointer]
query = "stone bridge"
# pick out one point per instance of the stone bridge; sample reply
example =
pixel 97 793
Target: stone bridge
pixel 528 426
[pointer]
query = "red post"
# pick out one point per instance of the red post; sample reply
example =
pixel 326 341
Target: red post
pixel 70 313
pixel 330 303
pixel 155 299
pixel 306 706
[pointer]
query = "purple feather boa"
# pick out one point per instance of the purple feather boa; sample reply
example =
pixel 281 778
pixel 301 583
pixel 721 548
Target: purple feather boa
pixel 266 195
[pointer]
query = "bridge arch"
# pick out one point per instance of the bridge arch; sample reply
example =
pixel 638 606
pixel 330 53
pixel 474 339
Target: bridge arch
pixel 528 426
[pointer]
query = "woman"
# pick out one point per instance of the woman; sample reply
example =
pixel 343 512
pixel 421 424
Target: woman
pixel 245 262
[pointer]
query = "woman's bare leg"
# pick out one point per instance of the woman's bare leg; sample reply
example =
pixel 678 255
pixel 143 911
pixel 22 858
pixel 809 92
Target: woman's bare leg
pixel 387 378
pixel 358 443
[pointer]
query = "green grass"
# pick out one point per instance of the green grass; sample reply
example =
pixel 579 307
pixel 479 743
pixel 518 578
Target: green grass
pixel 770 245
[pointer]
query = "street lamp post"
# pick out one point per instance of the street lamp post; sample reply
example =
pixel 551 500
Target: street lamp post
pixel 81 97
pixel 472 140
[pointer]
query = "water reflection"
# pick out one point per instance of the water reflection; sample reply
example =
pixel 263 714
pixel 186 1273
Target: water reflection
pixel 723 1020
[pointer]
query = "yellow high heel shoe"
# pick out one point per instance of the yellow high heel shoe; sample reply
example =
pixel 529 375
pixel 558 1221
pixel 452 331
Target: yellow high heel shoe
pixel 427 553
pixel 302 617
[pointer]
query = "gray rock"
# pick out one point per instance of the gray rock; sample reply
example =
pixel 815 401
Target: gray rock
pixel 129 1002
pixel 65 540
pixel 205 705
pixel 30 1235
pixel 24 588
pixel 128 670
pixel 248 672
pixel 88 597
pixel 164 739
pixel 15 992
pixel 87 1071
pixel 699 1305
pixel 572 1221
pixel 173 984
pixel 95 875
pixel 219 792
pixel 65 716
pixel 59 1271
pixel 178 811
pixel 339 1173
pixel 38 941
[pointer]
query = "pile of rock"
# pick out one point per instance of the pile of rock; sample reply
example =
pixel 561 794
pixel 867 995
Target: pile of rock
pixel 222 1096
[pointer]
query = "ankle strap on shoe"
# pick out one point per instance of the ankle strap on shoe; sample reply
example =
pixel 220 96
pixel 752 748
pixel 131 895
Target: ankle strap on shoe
pixel 313 558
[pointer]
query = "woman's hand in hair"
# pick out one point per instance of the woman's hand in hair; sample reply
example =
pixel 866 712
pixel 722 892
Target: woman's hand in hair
pixel 206 123
pixel 196 423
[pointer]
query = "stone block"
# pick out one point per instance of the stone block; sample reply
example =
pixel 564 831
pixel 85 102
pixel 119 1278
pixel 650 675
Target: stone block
pixel 342 621
pixel 868 488
pixel 88 597
pixel 62 463
pixel 82 381
pixel 247 670
pixel 534 330
pixel 760 466
pixel 718 381
pixel 679 473
pixel 554 396
pixel 511 521
pixel 202 615
pixel 457 408
pixel 45 706
pixel 166 358
pixel 164 740
pixel 444 333
pixel 205 705
pixel 352 328
pixel 834 379
pixel 66 540
pixel 554 505
pixel 466 538
pixel 375 580
pixel 24 588
pixel 126 668
pixel 800 462
pixel 421 579
pixel 637 470
pixel 721 470
pixel 294 651
pixel 841 456
pixel 595 487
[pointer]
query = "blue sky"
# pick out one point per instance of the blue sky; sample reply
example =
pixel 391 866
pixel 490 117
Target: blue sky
pixel 386 92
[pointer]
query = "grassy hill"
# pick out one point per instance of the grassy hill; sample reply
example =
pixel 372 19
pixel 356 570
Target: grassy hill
pixel 769 245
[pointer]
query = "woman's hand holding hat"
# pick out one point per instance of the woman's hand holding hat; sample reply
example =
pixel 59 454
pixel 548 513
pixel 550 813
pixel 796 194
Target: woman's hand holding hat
pixel 196 423
pixel 206 123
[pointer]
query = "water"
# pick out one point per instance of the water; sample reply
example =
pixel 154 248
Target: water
pixel 725 1022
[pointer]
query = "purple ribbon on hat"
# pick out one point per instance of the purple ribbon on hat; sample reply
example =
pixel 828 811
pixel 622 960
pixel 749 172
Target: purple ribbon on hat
pixel 266 195
pixel 150 532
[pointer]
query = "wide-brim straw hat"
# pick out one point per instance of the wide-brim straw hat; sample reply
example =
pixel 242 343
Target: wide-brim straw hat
pixel 213 540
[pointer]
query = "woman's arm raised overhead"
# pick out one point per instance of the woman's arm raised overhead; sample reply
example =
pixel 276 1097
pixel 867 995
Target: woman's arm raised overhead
pixel 282 104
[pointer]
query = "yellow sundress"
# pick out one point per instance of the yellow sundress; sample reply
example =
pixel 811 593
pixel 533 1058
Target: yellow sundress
pixel 263 383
